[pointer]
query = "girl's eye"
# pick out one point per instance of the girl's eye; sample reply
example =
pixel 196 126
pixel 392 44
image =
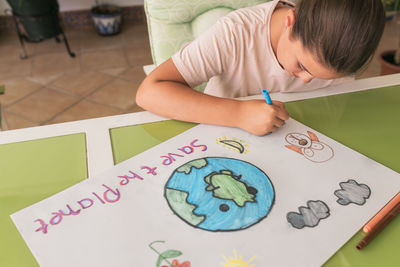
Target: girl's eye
pixel 299 66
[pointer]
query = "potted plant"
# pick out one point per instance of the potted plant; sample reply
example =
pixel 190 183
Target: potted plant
pixel 107 18
pixel 2 89
pixel 390 60
pixel 391 7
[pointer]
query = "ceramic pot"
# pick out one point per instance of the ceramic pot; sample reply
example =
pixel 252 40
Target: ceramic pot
pixel 107 19
pixel 386 59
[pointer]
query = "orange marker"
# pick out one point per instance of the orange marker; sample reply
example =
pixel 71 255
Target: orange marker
pixel 380 220
pixel 382 213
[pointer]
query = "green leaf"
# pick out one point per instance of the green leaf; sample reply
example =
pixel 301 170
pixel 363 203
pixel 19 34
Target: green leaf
pixel 171 254
pixel 2 89
pixel 167 255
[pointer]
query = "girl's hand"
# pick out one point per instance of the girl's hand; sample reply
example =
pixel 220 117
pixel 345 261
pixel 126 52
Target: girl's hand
pixel 259 118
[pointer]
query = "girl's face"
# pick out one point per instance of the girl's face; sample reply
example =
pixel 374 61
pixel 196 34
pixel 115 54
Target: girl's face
pixel 298 62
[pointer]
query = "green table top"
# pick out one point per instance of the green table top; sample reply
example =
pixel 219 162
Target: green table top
pixel 365 121
pixel 29 172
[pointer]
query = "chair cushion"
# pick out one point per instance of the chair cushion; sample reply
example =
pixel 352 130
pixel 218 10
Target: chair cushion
pixel 204 21
pixel 172 23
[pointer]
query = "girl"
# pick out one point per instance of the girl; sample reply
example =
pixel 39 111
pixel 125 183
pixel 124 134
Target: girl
pixel 275 45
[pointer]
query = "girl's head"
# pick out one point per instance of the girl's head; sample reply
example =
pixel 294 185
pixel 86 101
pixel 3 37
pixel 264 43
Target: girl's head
pixel 331 38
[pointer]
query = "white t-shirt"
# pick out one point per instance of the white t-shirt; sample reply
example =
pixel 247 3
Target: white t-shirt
pixel 235 56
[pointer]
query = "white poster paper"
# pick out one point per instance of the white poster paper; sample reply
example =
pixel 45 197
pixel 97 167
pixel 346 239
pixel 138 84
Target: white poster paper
pixel 214 196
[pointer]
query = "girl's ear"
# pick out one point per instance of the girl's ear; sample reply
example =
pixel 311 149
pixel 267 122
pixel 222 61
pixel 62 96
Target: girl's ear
pixel 290 18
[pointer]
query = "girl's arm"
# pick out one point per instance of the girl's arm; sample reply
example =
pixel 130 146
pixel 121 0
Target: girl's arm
pixel 165 92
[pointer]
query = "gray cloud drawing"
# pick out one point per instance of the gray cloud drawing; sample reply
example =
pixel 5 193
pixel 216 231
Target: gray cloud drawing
pixel 352 192
pixel 309 216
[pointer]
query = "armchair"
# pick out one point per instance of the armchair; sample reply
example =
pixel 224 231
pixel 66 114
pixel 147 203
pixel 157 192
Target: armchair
pixel 172 23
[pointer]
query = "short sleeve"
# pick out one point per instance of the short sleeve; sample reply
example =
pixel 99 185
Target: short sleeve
pixel 209 55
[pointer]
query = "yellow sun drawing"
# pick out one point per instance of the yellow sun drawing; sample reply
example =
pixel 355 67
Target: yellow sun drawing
pixel 237 262
pixel 234 143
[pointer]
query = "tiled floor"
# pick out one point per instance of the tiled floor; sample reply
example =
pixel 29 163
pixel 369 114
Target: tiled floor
pixel 51 87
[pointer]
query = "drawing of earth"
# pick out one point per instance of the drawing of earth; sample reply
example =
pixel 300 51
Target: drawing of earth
pixel 219 194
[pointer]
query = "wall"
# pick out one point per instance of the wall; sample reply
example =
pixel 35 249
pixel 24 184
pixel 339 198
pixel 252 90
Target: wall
pixel 69 5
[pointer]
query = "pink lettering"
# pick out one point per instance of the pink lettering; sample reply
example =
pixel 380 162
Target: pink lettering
pixel 115 193
pixel 125 178
pixel 110 196
pixel 186 149
pixel 99 198
pixel 83 205
pixel 56 219
pixel 169 159
pixel 149 170
pixel 71 212
pixel 43 226
pixel 203 147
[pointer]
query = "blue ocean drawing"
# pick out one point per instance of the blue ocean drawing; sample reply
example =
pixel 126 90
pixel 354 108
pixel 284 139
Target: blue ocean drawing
pixel 220 194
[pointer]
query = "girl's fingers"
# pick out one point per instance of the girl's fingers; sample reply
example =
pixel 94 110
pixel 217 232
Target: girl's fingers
pixel 278 122
pixel 274 128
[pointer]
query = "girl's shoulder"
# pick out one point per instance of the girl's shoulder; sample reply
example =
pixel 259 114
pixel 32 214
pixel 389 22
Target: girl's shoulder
pixel 257 14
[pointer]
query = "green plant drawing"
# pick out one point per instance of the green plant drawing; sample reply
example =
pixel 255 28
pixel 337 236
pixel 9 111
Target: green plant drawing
pixel 164 256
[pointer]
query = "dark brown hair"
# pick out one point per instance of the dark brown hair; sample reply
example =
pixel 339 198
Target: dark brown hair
pixel 343 33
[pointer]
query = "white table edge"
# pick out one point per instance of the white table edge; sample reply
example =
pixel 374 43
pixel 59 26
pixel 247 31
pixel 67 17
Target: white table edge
pixel 97 131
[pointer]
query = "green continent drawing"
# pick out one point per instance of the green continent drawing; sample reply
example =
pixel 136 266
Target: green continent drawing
pixel 226 185
pixel 178 201
pixel 187 168
pixel 219 194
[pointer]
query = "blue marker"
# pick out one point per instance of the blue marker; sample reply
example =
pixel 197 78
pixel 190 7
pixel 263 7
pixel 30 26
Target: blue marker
pixel 267 97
